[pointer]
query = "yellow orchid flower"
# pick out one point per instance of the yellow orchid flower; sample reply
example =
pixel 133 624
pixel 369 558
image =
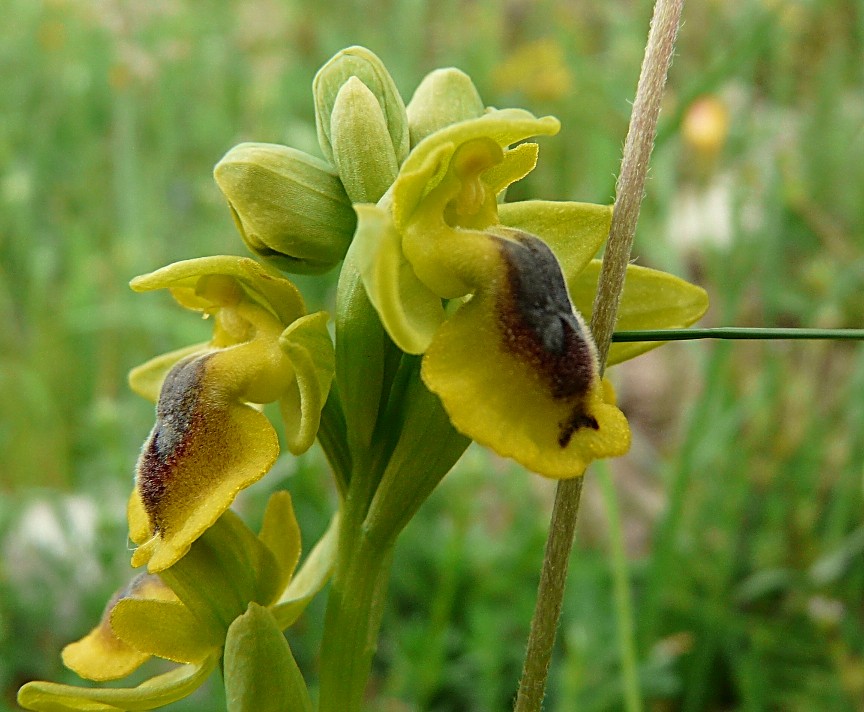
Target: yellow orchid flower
pixel 483 291
pixel 188 615
pixel 209 442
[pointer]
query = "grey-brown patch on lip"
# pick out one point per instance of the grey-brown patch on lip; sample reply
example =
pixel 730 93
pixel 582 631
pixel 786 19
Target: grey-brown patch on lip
pixel 178 417
pixel 540 328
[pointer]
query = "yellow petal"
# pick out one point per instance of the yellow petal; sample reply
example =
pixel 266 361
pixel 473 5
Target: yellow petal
pixel 309 348
pixel 427 164
pixel 101 655
pixel 516 370
pixel 311 577
pixel 518 162
pixel 651 300
pixel 281 534
pixel 204 448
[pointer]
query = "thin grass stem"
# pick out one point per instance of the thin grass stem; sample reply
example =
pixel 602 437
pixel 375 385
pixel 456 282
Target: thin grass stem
pixel 629 192
pixel 738 332
pixel 623 599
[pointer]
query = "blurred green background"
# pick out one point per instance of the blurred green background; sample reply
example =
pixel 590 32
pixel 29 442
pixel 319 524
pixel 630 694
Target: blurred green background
pixel 735 524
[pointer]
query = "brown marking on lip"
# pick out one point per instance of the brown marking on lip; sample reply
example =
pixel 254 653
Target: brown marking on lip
pixel 539 327
pixel 179 420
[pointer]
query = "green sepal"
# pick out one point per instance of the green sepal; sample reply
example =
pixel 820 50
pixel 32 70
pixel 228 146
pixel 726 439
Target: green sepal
pixel 307 344
pixel 225 569
pixel 427 449
pixel 260 672
pixel 573 231
pixel 444 96
pixel 156 692
pixel 362 149
pixel 409 310
pixel 289 207
pixel 310 579
pixel 368 68
pixel 651 300
pixel 166 629
pixel 263 285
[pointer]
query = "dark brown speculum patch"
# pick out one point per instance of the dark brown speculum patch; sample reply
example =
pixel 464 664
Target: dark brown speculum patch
pixel 540 328
pixel 177 418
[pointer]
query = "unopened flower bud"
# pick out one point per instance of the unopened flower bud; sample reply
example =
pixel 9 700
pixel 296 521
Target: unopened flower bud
pixel 289 207
pixel 362 150
pixel 444 97
pixel 361 63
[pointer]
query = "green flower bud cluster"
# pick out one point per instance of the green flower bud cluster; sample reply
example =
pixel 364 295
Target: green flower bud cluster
pixel 293 209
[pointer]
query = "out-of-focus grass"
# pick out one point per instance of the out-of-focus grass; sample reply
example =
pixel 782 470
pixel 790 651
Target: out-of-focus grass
pixel 742 498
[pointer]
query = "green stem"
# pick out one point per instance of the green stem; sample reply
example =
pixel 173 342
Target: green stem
pixel 354 608
pixel 737 332
pixel 331 435
pixel 629 192
pixel 623 602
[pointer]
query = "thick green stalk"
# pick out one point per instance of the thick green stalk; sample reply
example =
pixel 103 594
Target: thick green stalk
pixel 354 608
pixel 629 192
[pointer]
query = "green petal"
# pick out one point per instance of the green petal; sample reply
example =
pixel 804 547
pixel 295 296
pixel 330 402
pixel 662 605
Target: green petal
pixel 166 629
pixel 260 672
pixel 155 692
pixel 308 345
pixel 280 533
pixel 146 380
pixel 310 579
pixel 573 231
pixel 101 655
pixel 651 300
pixel 202 451
pixel 263 285
pixel 515 370
pixel 408 309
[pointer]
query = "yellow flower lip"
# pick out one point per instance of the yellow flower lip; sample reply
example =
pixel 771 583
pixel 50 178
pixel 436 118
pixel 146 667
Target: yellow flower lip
pixel 205 447
pixel 532 392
